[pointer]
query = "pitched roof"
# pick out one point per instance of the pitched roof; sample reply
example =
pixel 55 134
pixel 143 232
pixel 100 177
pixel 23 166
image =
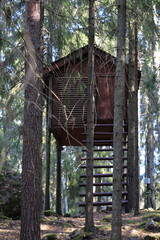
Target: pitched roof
pixel 77 54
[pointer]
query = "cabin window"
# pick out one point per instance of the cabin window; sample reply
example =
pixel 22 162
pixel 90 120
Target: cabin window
pixel 72 90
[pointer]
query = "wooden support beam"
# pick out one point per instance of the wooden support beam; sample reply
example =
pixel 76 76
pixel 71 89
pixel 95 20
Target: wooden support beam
pixel 101 184
pixel 103 150
pixel 82 204
pixel 102 175
pixel 102 141
pixel 103 133
pixel 101 194
pixel 101 158
pixel 102 166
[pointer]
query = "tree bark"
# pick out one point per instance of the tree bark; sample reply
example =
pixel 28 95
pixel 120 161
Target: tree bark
pixel 150 158
pixel 50 33
pixel 150 134
pixel 59 182
pixel 131 113
pixel 133 118
pixel 89 221
pixel 118 123
pixel 137 130
pixel 47 188
pixel 48 144
pixel 32 136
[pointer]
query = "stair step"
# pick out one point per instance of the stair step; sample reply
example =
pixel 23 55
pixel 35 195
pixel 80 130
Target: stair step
pixel 107 125
pixel 103 133
pixel 102 141
pixel 104 150
pixel 102 166
pixel 101 158
pixel 101 175
pixel 101 194
pixel 98 158
pixel 82 204
pixel 101 184
pixel 104 125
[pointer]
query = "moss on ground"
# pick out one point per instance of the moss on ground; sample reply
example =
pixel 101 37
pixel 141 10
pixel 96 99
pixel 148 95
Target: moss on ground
pixel 147 237
pixel 50 236
pixel 152 215
pixel 107 218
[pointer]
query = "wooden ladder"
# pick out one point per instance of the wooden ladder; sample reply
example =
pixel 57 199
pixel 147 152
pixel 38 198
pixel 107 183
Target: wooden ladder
pixel 103 167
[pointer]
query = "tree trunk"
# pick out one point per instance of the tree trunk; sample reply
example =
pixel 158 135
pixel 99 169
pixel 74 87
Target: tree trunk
pixel 48 110
pixel 47 188
pixel 48 145
pixel 150 133
pixel 118 123
pixel 150 158
pixel 89 221
pixel 59 182
pixel 32 136
pixel 131 117
pixel 137 130
pixel 65 198
pixel 50 32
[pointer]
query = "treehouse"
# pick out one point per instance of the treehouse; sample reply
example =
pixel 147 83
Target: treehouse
pixel 69 79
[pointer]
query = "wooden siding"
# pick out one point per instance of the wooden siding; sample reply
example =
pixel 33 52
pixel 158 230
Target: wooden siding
pixel 70 86
pixel 69 104
pixel 70 110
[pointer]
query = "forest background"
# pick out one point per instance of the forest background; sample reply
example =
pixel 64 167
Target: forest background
pixel 65 30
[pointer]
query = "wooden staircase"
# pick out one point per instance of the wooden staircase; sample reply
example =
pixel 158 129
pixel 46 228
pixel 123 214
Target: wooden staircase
pixel 103 166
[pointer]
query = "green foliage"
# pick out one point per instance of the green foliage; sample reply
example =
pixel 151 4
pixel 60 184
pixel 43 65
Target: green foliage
pixel 49 213
pixel 69 29
pixel 2 217
pixel 70 162
pixel 12 70
pixel 10 193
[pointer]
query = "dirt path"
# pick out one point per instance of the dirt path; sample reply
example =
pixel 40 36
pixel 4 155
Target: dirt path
pixel 10 230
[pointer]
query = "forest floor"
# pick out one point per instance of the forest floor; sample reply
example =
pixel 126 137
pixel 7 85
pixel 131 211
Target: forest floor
pixel 71 227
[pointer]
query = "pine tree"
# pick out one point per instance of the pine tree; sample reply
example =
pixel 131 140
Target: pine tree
pixel 118 123
pixel 89 221
pixel 32 136
pixel 133 158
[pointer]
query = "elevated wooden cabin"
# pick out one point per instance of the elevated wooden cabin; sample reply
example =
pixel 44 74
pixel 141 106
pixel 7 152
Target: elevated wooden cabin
pixel 68 77
pixel 67 80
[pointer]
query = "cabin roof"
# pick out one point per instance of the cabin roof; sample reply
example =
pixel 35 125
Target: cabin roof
pixel 78 54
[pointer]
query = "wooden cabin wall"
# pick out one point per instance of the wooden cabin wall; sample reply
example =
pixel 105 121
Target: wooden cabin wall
pixel 65 87
pixel 70 85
